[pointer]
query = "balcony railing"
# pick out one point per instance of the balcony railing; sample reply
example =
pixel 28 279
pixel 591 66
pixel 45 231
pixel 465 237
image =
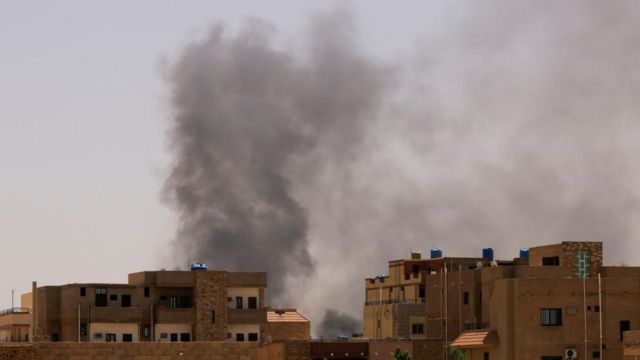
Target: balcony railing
pixel 175 315
pixel 15 310
pixel 115 314
pixel 387 302
pixel 247 316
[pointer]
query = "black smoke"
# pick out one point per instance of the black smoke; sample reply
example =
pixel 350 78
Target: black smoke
pixel 336 323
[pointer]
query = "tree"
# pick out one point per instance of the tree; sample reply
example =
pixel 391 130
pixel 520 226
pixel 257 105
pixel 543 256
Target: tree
pixel 401 355
pixel 456 353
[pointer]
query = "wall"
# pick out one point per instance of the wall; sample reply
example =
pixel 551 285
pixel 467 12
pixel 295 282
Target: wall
pixel 211 294
pixel 112 328
pixel 281 331
pixel 244 293
pixel 169 329
pixel 243 329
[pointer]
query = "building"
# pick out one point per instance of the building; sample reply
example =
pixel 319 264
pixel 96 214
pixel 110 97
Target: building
pixel 15 324
pixel 160 306
pixel 547 304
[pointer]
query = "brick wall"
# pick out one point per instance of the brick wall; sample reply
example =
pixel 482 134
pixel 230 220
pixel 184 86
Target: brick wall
pixel 210 294
pixel 570 250
pixel 428 350
pixel 297 350
pixel 281 331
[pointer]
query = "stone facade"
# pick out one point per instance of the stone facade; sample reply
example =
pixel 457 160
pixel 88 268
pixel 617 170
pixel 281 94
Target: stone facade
pixel 211 295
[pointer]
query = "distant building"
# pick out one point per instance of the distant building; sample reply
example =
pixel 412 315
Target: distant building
pixel 161 306
pixel 15 324
pixel 532 307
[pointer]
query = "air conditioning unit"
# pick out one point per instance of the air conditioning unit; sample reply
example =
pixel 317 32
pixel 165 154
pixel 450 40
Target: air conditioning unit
pixel 570 354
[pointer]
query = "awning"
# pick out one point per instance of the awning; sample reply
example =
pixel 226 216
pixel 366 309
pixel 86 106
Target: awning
pixel 476 339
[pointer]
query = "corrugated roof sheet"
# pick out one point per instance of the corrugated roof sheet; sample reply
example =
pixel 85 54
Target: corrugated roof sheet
pixel 476 338
pixel 285 316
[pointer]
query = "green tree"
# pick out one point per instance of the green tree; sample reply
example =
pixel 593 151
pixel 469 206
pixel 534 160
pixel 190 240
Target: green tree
pixel 401 355
pixel 456 353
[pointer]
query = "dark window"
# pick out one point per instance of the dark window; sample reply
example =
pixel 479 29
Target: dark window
pixel 184 301
pixel 239 337
pixel 378 323
pixel 83 329
pixel 550 317
pixel 101 297
pixel 417 328
pixel 113 297
pixel 625 325
pixel 127 337
pixel 465 298
pixel 164 335
pixel 253 302
pixel 174 337
pixel 253 336
pixel 185 337
pixel 213 316
pixel 421 291
pixel 552 358
pixel 486 356
pixel 596 308
pixel 146 330
pixel 55 337
pixel 595 355
pixel 125 300
pixel 415 269
pixel 146 291
pixel 588 307
pixel 110 337
pixel 238 302
pixel 551 261
pixel 173 302
pixel 83 291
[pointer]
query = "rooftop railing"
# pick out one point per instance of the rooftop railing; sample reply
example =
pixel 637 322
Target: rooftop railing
pixel 15 310
pixel 394 301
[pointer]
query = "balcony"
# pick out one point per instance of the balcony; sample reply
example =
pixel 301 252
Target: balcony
pixel 247 316
pixel 167 315
pixel 248 279
pixel 116 314
pixel 387 302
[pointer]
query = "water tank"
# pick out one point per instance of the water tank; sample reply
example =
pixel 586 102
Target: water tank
pixel 524 253
pixel 487 254
pixel 436 253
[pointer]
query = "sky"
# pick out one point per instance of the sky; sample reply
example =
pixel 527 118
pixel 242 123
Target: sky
pixel 506 124
pixel 83 120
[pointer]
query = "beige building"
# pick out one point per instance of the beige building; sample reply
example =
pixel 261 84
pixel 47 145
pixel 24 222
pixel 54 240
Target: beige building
pixel 15 324
pixel 159 306
pixel 534 307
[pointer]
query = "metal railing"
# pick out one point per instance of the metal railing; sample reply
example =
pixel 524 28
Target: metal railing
pixel 387 302
pixel 15 310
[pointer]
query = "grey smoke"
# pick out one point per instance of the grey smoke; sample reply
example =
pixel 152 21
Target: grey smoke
pixel 246 112
pixel 516 123
pixel 336 323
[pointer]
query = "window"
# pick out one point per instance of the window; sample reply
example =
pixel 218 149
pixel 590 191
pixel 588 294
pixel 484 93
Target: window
pixel 173 302
pixel 83 329
pixel 465 298
pixel 551 261
pixel 486 356
pixel 417 328
pixel 213 316
pixel 415 269
pixel 55 337
pixel 97 336
pixel 421 291
pixel 253 302
pixel 110 338
pixel 552 358
pixel 164 335
pixel 184 301
pixel 596 308
pixel 253 336
pixel 239 337
pixel 101 297
pixel 238 302
pixel 125 300
pixel 174 337
pixel 146 291
pixel 625 325
pixel 588 307
pixel 550 317
pixel 83 291
pixel 146 330
pixel 185 337
pixel 113 297
pixel 127 337
pixel 595 355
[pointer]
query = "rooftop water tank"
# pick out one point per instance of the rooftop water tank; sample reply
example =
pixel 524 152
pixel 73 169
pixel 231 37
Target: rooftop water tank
pixel 524 253
pixel 436 253
pixel 416 255
pixel 487 254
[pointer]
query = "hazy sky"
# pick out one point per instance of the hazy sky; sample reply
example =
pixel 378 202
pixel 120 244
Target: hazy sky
pixel 504 123
pixel 83 114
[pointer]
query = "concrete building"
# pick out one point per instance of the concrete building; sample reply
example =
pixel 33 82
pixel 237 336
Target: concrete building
pixel 15 324
pixel 160 306
pixel 545 305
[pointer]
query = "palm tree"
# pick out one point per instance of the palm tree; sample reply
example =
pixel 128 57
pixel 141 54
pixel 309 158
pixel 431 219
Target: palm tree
pixel 457 354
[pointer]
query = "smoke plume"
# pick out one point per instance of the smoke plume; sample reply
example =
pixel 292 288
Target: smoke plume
pixel 245 113
pixel 335 323
pixel 513 123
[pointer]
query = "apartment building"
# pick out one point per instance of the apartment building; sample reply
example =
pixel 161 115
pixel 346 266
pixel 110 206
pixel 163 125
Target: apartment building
pixel 158 306
pixel 548 304
pixel 14 324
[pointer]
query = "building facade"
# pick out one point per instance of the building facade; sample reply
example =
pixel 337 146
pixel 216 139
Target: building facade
pixel 550 304
pixel 157 306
